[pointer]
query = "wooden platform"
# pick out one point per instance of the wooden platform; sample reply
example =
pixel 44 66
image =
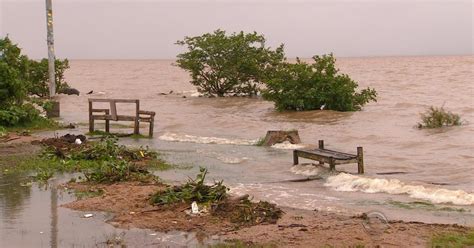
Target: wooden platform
pixel 111 115
pixel 330 157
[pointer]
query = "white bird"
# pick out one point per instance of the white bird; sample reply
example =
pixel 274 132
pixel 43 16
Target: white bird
pixel 322 107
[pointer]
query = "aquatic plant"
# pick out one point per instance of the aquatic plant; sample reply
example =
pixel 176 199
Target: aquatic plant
pixel 301 86
pixel 435 117
pixel 193 190
pixel 222 64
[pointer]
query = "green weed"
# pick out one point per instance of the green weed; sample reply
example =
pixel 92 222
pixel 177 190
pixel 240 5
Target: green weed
pixel 438 117
pixel 193 190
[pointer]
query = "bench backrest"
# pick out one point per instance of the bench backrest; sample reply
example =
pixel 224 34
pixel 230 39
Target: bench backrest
pixel 113 106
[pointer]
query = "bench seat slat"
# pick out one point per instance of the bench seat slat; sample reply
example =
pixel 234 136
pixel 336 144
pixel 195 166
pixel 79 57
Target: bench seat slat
pixel 327 153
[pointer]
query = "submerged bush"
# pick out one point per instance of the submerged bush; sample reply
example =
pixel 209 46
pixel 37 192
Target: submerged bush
pixel 438 117
pixel 193 190
pixel 222 64
pixel 303 86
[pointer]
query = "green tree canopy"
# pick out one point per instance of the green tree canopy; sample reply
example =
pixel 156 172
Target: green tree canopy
pixel 222 64
pixel 303 86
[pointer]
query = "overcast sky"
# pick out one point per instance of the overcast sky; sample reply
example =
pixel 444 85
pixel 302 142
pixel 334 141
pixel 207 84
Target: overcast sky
pixel 136 29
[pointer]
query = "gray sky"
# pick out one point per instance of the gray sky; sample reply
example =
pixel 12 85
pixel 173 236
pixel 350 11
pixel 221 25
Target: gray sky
pixel 90 29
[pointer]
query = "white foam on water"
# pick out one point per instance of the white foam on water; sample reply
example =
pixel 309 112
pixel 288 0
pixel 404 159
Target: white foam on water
pixel 204 140
pixel 231 160
pixel 347 182
pixel 308 170
pixel 287 146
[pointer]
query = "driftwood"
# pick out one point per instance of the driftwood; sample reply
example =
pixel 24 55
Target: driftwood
pixel 274 137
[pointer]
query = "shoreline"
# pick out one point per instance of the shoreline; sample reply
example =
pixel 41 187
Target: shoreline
pixel 129 203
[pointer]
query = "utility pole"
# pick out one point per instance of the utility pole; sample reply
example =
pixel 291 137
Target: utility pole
pixel 54 112
pixel 51 57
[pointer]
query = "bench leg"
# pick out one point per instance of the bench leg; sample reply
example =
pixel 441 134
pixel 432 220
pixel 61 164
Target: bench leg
pixel 152 124
pixel 360 160
pixel 107 126
pixel 295 158
pixel 321 146
pixel 91 119
pixel 332 164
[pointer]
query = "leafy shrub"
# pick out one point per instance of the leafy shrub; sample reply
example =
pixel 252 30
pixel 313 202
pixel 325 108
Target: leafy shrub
pixel 114 171
pixel 193 190
pixel 303 86
pixel 18 114
pixel 222 64
pixel 438 117
pixel 38 76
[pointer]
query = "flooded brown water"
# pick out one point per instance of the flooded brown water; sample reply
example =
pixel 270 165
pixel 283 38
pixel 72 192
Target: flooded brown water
pixel 435 168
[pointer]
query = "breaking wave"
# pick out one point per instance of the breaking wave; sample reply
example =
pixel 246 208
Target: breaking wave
pixel 204 140
pixel 347 182
pixel 287 146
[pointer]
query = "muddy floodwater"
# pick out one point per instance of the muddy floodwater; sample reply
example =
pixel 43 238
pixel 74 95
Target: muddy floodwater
pixel 411 174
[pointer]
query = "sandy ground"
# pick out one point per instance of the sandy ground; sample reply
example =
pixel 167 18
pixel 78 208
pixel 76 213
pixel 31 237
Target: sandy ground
pixel 297 228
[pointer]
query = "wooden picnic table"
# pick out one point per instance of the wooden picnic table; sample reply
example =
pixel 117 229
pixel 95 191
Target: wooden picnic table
pixel 330 157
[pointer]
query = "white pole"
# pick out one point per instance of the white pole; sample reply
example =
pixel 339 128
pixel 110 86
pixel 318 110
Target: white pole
pixel 51 57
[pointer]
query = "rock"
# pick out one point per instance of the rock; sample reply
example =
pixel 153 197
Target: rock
pixel 274 137
pixel 68 91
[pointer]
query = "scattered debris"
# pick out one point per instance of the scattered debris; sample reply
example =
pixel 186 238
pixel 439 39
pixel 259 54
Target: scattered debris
pixel 88 215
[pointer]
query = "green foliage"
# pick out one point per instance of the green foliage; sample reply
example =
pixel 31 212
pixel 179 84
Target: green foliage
pixel 21 78
pixel 222 64
pixel 193 190
pixel 38 76
pixel 43 174
pixel 453 240
pixel 16 114
pixel 116 171
pixel 3 132
pixel 438 117
pixel 303 86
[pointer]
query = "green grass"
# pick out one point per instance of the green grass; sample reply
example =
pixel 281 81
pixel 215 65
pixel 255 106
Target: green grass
pixel 260 141
pixel 41 124
pixel 453 240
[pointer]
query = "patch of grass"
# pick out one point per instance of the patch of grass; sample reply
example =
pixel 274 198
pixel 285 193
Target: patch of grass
pixel 424 205
pixel 260 141
pixel 84 194
pixel 453 240
pixel 117 171
pixel 193 190
pixel 436 117
pixel 241 244
pixel 40 124
pixel 43 175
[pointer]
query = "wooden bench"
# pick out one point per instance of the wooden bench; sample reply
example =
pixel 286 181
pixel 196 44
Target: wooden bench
pixel 111 115
pixel 330 157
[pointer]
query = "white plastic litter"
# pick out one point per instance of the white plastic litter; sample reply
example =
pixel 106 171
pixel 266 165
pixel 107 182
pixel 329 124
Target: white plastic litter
pixel 88 215
pixel 194 208
pixel 78 141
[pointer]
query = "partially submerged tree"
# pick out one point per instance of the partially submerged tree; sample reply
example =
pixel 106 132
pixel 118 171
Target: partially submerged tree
pixel 303 86
pixel 222 64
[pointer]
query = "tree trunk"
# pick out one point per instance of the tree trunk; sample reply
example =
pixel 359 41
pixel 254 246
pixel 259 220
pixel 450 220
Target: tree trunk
pixel 274 137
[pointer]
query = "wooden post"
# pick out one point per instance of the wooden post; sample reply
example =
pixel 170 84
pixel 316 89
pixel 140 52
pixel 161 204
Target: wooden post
pixel 152 125
pixel 91 119
pixel 50 41
pixel 107 122
pixel 295 157
pixel 137 118
pixel 321 146
pixel 332 164
pixel 360 160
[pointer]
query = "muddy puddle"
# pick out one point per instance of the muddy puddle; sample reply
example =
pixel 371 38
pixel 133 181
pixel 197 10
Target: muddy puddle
pixel 31 216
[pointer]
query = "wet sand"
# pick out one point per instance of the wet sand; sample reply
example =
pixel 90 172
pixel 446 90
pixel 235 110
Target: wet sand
pixel 129 203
